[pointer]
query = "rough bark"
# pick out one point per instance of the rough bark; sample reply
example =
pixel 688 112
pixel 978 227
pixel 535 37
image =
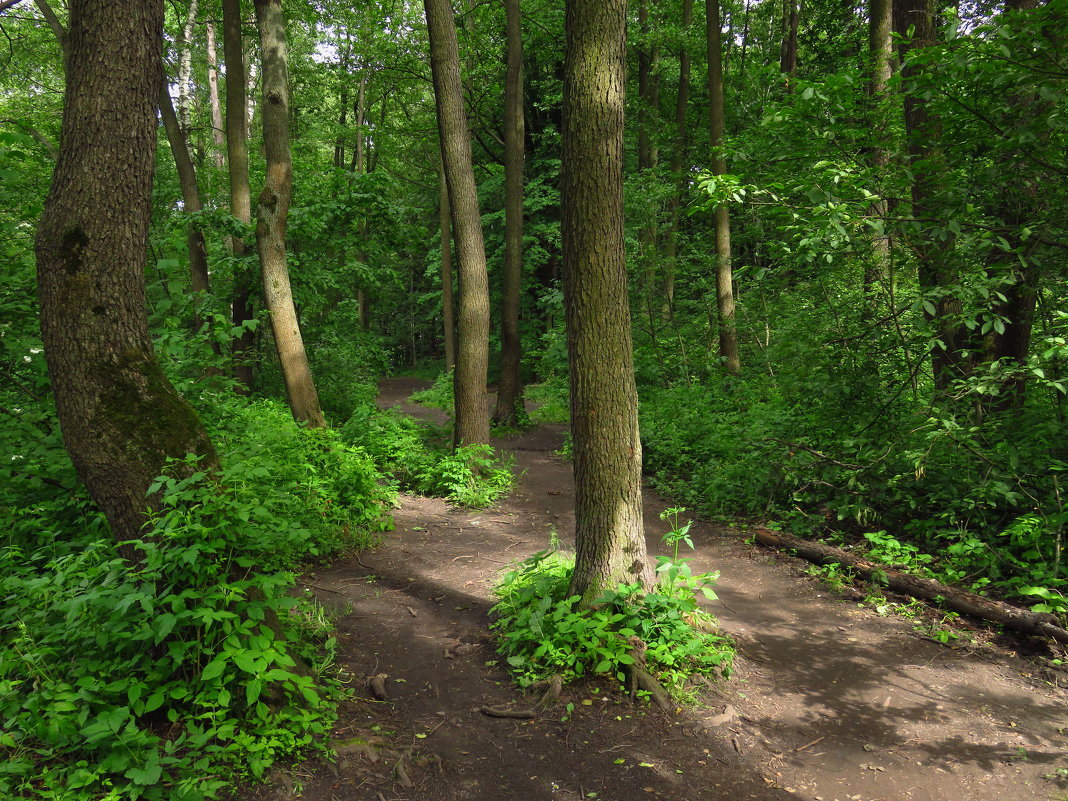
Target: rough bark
pixel 240 193
pixel 217 133
pixel 510 386
pixel 187 180
pixel 447 301
pixel 967 603
pixel 121 418
pixel 728 333
pixel 272 212
pixel 471 419
pixel 609 539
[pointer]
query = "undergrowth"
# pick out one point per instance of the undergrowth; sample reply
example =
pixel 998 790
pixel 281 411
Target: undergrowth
pixel 544 632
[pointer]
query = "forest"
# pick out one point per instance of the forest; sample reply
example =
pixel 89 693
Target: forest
pixel 796 266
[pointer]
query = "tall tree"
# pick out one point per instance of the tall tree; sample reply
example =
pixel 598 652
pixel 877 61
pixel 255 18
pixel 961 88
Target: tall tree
pixel 121 418
pixel 472 329
pixel 728 332
pixel 788 48
pixel 678 161
pixel 217 133
pixel 272 214
pixel 448 303
pixel 880 54
pixel 609 537
pixel 185 69
pixel 510 387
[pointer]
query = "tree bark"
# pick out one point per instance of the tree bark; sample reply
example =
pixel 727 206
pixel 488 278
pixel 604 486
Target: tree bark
pixel 121 418
pixel 187 180
pixel 609 539
pixel 272 212
pixel 728 332
pixel 471 419
pixel 217 132
pixel 240 193
pixel 510 386
pixel 880 54
pixel 967 603
pixel 447 301
pixel 788 50
pixel 185 70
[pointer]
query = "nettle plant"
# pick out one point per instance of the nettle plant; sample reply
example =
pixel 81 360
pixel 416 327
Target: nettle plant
pixel 544 632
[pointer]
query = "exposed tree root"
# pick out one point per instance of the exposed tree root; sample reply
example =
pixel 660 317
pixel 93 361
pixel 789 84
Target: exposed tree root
pixel 967 603
pixel 500 712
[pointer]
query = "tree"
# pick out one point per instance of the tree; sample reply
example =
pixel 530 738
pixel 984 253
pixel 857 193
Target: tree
pixel 609 538
pixel 121 418
pixel 272 213
pixel 728 332
pixel 510 387
pixel 472 329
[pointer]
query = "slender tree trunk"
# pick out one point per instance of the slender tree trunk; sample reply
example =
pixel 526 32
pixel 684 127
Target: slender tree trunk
pixel 728 332
pixel 359 155
pixel 217 131
pixel 934 254
pixel 187 180
pixel 447 300
pixel 880 53
pixel 121 418
pixel 472 331
pixel 185 70
pixel 678 161
pixel 609 538
pixel 788 51
pixel 648 114
pixel 240 193
pixel 272 212
pixel 510 387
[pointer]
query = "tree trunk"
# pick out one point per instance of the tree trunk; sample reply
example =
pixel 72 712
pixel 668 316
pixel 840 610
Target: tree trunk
pixel 648 113
pixel 217 132
pixel 788 50
pixel 121 418
pixel 240 193
pixel 447 300
pixel 728 333
pixel 187 180
pixel 934 254
pixel 185 70
pixel 510 387
pixel 609 538
pixel 880 53
pixel 678 160
pixel 472 332
pixel 272 212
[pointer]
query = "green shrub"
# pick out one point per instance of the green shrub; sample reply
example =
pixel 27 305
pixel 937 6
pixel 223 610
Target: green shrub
pixel 440 395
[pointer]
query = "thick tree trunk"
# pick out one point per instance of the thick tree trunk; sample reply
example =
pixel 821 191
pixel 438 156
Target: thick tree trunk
pixel 272 212
pixel 728 333
pixel 217 133
pixel 967 603
pixel 510 387
pixel 609 539
pixel 121 418
pixel 240 193
pixel 471 419
pixel 678 162
pixel 448 312
pixel 937 270
pixel 187 180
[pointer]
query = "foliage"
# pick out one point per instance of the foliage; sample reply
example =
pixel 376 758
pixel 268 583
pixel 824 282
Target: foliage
pixel 439 395
pixel 544 632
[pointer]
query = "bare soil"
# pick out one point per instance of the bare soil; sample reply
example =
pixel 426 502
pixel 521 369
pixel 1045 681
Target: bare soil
pixel 829 701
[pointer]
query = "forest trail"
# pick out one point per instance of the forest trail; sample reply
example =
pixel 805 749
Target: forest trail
pixel 828 702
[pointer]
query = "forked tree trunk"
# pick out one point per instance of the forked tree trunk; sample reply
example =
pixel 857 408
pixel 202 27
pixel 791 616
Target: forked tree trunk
pixel 121 418
pixel 728 332
pixel 272 213
pixel 240 193
pixel 471 419
pixel 510 387
pixel 609 539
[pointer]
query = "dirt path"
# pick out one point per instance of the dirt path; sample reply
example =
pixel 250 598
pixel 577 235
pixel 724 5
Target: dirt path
pixel 829 701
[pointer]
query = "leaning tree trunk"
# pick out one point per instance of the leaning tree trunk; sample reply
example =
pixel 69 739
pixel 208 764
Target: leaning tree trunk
pixel 609 538
pixel 728 332
pixel 472 330
pixel 272 212
pixel 121 418
pixel 240 193
pixel 510 387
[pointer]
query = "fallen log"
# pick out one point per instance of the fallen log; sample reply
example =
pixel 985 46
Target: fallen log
pixel 962 601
